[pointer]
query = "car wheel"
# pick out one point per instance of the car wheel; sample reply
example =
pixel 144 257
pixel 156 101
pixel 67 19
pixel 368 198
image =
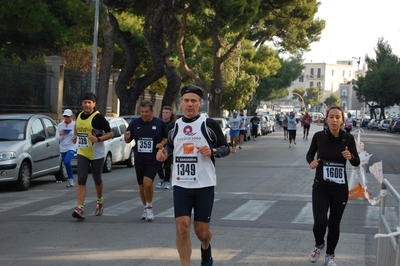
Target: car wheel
pixel 107 164
pixel 24 176
pixel 131 160
pixel 61 174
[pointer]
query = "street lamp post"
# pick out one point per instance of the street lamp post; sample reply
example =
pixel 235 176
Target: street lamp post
pixel 319 88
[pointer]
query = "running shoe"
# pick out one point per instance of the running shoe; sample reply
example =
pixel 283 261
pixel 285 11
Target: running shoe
pixel 167 185
pixel 160 184
pixel 294 142
pixel 149 215
pixel 99 208
pixel 240 147
pixel 304 136
pixel 78 214
pixel 71 183
pixel 289 146
pixel 144 214
pixel 329 260
pixel 210 262
pixel 314 254
pixel 307 138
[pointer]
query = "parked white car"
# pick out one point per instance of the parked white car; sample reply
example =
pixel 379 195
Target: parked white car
pixel 223 123
pixel 116 150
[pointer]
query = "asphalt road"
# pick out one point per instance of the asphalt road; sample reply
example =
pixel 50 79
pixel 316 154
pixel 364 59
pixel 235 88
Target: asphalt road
pixel 262 214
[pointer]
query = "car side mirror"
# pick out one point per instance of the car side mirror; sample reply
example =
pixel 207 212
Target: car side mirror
pixel 38 139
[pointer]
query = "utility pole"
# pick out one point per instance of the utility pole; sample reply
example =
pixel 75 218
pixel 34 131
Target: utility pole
pixel 95 37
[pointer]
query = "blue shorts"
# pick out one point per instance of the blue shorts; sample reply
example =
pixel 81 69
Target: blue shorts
pixel 234 133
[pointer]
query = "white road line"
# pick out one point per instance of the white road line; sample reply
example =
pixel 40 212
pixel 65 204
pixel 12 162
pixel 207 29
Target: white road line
pixel 123 207
pixel 20 202
pixel 305 216
pixel 59 208
pixel 250 211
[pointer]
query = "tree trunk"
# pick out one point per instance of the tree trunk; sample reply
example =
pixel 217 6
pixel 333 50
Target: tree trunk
pixel 174 83
pixel 132 61
pixel 106 61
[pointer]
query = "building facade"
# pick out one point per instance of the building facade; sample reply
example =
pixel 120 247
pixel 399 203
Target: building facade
pixel 330 78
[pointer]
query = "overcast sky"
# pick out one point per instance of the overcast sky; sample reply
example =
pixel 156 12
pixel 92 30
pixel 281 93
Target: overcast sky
pixel 353 28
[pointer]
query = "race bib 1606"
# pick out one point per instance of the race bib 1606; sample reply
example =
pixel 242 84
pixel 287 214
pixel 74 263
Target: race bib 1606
pixel 334 172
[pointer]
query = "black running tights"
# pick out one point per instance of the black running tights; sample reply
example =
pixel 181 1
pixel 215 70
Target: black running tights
pixel 333 200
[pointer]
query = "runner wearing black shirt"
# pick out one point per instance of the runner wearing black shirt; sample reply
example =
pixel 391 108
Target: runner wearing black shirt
pixel 150 134
pixel 333 148
pixel 255 121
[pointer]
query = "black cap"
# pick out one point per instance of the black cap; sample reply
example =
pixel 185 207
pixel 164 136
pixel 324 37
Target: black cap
pixel 89 96
pixel 190 88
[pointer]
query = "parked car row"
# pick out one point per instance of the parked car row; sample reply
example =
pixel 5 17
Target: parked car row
pixel 389 125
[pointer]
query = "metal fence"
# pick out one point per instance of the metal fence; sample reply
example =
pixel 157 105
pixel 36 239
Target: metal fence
pixel 388 253
pixel 23 87
pixel 76 83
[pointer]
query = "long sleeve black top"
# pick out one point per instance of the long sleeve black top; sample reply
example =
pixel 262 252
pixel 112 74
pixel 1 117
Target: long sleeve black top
pixel 329 148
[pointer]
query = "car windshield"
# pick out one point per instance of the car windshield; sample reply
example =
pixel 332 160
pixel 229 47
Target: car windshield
pixel 12 129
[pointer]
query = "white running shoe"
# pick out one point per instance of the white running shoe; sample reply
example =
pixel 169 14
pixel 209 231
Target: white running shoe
pixel 150 215
pixel 329 260
pixel 167 185
pixel 314 254
pixel 144 214
pixel 71 183
pixel 160 184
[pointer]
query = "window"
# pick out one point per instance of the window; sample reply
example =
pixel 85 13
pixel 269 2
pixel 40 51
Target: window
pixel 311 84
pixel 319 73
pixel 114 129
pixel 37 129
pixel 312 72
pixel 51 130
pixel 301 78
pixel 333 72
pixel 122 126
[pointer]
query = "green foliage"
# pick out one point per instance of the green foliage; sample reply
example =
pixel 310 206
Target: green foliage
pixel 275 86
pixel 33 28
pixel 382 81
pixel 332 100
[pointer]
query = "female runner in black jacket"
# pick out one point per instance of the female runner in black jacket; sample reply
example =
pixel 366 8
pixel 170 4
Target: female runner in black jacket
pixel 334 147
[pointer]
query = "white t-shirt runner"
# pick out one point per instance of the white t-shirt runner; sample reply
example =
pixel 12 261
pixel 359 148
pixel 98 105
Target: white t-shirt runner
pixel 190 168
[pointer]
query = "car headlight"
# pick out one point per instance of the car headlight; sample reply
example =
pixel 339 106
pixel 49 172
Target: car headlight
pixel 7 155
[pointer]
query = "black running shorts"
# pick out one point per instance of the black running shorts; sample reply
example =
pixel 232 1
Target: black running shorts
pixel 201 200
